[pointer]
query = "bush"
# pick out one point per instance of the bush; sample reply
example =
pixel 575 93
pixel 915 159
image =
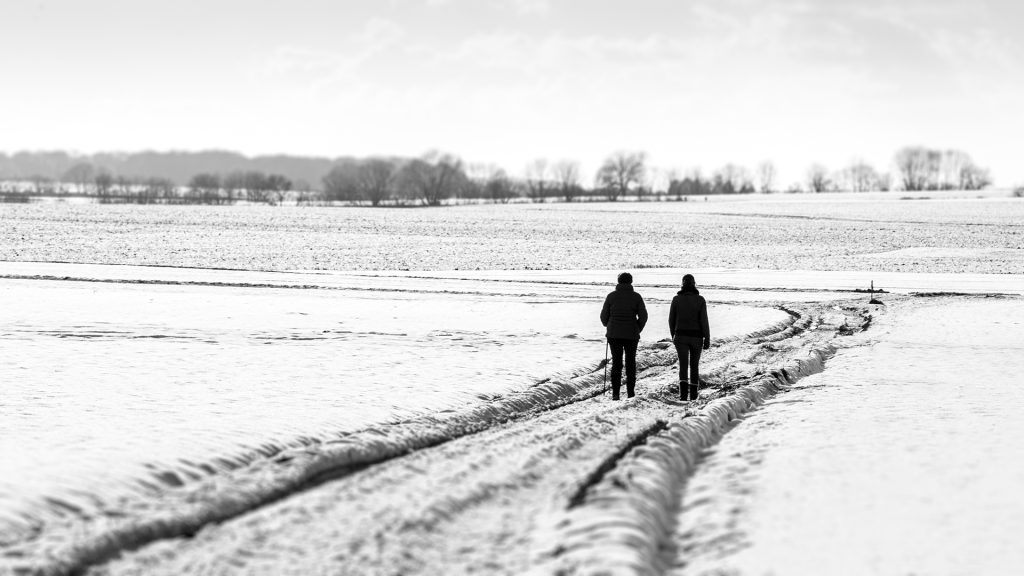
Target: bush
pixel 1018 192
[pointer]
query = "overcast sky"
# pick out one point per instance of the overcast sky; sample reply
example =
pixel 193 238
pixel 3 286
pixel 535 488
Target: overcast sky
pixel 693 83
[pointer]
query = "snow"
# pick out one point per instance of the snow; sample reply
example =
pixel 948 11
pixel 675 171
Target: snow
pixel 903 457
pixel 491 473
pixel 780 232
pixel 208 378
pixel 368 391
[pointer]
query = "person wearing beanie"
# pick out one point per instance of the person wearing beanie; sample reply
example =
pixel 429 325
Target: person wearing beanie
pixel 624 315
pixel 688 325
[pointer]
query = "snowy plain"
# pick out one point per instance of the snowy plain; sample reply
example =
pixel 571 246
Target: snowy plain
pixel 205 377
pixel 128 383
pixel 903 456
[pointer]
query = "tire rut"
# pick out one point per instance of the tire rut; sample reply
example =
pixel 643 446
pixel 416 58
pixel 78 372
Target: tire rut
pixel 627 520
pixel 76 548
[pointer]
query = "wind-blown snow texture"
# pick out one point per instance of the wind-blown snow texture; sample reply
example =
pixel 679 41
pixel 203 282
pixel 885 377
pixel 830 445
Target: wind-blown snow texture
pixel 908 442
pixel 515 461
pixel 552 479
pixel 849 232
pixel 212 370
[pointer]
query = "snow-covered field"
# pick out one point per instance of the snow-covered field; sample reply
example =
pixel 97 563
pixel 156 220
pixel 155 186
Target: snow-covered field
pixel 780 232
pixel 908 443
pixel 206 378
pixel 400 370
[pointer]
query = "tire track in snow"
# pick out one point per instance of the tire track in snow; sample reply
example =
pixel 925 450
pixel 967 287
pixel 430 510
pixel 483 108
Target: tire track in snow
pixel 626 524
pixel 271 285
pixel 79 545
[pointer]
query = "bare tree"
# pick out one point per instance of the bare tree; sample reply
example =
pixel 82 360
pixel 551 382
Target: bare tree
pixel 433 178
pixel 652 184
pixel 621 172
pixel 913 165
pixel 153 189
pixel 960 172
pixel 305 195
pixel 257 188
pixel 859 177
pixel 81 175
pixel 934 170
pixel 342 183
pixel 567 176
pixel 953 163
pixel 536 178
pixel 41 185
pixel 373 180
pixel 922 168
pixel 974 178
pixel 674 187
pixel 499 187
pixel 163 188
pixel 104 182
pixel 884 182
pixel 766 176
pixel 694 184
pixel 233 184
pixel 477 175
pixel 732 178
pixel 278 187
pixel 124 186
pixel 204 188
pixel 817 178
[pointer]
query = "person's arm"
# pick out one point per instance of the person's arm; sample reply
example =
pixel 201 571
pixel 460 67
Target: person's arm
pixel 641 314
pixel 606 310
pixel 704 327
pixel 672 319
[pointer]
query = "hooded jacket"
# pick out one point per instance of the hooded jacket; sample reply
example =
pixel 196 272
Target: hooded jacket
pixel 624 313
pixel 688 315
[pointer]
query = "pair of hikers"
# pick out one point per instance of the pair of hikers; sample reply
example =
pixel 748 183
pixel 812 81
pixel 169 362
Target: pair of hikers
pixel 624 315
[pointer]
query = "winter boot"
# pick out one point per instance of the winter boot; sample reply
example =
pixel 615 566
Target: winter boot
pixel 682 390
pixel 693 392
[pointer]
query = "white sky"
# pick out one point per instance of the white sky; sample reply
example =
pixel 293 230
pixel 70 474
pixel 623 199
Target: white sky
pixel 693 83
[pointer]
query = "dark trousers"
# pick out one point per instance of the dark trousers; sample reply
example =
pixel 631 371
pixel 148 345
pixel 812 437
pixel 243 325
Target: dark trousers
pixel 689 346
pixel 620 346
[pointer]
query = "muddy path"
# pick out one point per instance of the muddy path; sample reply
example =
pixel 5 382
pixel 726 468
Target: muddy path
pixel 555 479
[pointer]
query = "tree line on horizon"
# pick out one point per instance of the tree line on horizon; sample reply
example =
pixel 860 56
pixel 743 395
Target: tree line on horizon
pixel 436 178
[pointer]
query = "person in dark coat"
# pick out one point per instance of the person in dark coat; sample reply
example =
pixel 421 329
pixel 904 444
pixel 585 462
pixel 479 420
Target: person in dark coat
pixel 624 315
pixel 688 325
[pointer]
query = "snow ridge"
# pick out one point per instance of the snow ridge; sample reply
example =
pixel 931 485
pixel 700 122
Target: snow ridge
pixel 627 520
pixel 73 547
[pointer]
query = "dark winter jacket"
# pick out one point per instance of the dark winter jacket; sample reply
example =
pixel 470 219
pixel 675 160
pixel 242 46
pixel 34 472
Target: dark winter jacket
pixel 624 313
pixel 688 315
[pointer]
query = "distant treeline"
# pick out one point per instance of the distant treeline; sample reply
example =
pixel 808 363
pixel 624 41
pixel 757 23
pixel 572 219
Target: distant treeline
pixel 435 178
pixel 178 167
